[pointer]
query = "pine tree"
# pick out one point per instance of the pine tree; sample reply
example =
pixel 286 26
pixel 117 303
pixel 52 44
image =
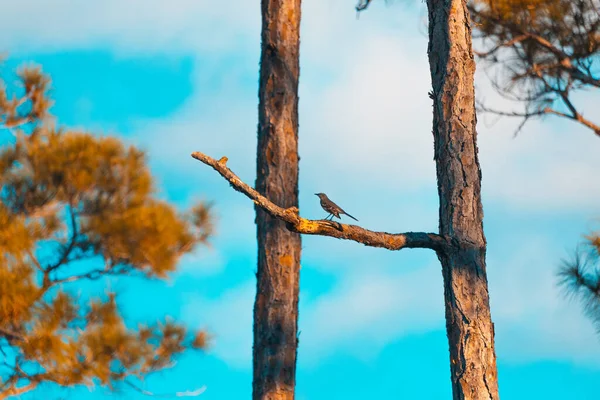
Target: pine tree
pixel 278 267
pixel 76 207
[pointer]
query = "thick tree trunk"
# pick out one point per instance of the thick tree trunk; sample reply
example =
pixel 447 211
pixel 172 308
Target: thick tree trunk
pixel 276 305
pixel 468 320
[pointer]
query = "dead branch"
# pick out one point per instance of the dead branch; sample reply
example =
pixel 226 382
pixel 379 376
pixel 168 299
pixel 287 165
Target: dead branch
pixel 72 242
pixel 17 391
pixel 298 224
pixel 527 115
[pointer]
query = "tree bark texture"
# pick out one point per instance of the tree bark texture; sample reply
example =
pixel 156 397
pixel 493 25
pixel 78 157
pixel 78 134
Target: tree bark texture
pixel 278 273
pixel 468 320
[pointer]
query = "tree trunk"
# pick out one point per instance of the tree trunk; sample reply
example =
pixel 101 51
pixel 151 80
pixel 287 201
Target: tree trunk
pixel 276 305
pixel 468 321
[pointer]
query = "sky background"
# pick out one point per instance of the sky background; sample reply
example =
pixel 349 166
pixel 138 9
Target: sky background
pixel 181 76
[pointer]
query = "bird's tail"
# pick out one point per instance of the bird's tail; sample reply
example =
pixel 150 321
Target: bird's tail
pixel 351 216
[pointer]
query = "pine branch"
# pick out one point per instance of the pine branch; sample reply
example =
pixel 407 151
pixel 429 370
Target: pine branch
pixel 580 277
pixel 109 270
pixel 72 241
pixel 527 115
pixel 298 224
pixel 17 391
pixel 539 52
pixel 502 45
pixel 10 335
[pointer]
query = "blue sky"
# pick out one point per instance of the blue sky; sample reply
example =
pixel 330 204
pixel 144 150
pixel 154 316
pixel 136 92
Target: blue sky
pixel 180 76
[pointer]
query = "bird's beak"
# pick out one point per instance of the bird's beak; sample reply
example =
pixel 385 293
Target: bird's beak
pixel 316 194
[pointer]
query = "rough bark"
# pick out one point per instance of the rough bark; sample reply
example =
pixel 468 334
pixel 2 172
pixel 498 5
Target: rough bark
pixel 276 305
pixel 468 319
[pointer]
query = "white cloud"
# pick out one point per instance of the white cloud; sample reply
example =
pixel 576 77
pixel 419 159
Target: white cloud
pixel 203 262
pixel 532 317
pixel 234 234
pixel 552 164
pixel 373 121
pixel 365 114
pixel 229 321
pixel 129 27
pixel 364 89
pixel 369 309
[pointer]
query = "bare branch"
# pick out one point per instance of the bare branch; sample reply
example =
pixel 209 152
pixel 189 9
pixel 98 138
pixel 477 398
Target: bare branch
pixel 91 275
pixel 15 122
pixel 495 49
pixel 51 207
pixel 560 54
pixel 72 241
pixel 9 388
pixel 565 61
pixel 298 224
pixel 109 269
pixel 16 391
pixel 35 261
pixel 527 115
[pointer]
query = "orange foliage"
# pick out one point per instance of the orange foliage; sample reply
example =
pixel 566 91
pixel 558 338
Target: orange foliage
pixel 69 196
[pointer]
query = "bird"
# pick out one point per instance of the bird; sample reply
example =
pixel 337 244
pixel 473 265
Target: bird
pixel 332 208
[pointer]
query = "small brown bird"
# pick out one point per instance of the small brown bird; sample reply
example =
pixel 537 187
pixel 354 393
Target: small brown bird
pixel 332 208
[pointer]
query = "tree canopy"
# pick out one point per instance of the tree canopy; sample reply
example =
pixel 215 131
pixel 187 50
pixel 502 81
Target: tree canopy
pixel 539 53
pixel 544 51
pixel 77 207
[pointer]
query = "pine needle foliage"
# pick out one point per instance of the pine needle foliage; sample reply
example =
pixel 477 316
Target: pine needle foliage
pixel 77 207
pixel 580 276
pixel 538 53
